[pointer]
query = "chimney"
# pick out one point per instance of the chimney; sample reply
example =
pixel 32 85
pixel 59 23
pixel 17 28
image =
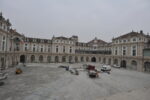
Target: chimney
pixel 141 31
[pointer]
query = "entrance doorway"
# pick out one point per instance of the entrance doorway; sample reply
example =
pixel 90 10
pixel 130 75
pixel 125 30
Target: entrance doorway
pixel 22 58
pixel 147 66
pixel 2 64
pixel 123 64
pixel 93 59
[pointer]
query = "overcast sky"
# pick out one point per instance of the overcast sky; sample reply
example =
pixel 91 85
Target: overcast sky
pixel 103 19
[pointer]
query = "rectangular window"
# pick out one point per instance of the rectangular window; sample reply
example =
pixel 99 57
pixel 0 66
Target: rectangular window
pixel 56 49
pixel 34 48
pixel 26 47
pixel 70 49
pixel 41 49
pixel 17 47
pixel 63 49
pixel 49 49
pixel 134 51
pixel 134 39
pixel 3 46
pixel 116 51
pixel 124 50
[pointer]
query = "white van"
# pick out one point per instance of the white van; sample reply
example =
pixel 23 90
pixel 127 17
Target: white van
pixel 106 68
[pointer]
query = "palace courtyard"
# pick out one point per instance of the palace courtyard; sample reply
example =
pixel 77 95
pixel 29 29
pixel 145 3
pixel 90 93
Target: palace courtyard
pixel 48 82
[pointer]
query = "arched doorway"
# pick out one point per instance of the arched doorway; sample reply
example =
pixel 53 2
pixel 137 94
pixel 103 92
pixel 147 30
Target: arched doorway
pixel 82 59
pixel 76 59
pixel 123 64
pixel 109 61
pixel 147 66
pixel 56 59
pixel 22 58
pixel 40 58
pixel 2 64
pixel 104 60
pixel 99 59
pixel 134 65
pixel 64 59
pixel 93 59
pixel 70 59
pixel 32 58
pixel 48 59
pixel 116 61
pixel 87 59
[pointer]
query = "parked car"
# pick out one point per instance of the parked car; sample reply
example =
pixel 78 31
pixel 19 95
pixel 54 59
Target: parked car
pixel 116 66
pixel 93 74
pixel 106 68
pixel 90 67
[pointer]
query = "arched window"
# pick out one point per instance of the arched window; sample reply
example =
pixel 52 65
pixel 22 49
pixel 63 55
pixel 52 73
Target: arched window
pixel 104 60
pixel 56 59
pixel 123 64
pixel 147 66
pixel 82 59
pixel 87 59
pixel 116 61
pixel 32 58
pixel 134 65
pixel 76 59
pixel 93 59
pixel 40 58
pixel 70 58
pixel 64 59
pixel 48 59
pixel 109 61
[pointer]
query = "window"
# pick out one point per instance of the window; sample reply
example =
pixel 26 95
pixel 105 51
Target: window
pixel 70 49
pixel 34 48
pixel 120 41
pixel 134 51
pixel 128 40
pixel 17 46
pixel 63 49
pixel 124 50
pixel 57 49
pixel 134 39
pixel 26 47
pixel 41 48
pixel 3 45
pixel 116 41
pixel 49 48
pixel 124 41
pixel 3 38
pixel 116 51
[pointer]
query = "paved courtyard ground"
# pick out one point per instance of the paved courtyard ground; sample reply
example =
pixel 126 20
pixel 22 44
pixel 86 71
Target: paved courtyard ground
pixel 48 82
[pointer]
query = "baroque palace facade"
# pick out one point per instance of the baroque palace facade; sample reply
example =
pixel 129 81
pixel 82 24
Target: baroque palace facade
pixel 131 51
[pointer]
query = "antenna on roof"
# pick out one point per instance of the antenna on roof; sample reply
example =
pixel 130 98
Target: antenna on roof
pixel 1 14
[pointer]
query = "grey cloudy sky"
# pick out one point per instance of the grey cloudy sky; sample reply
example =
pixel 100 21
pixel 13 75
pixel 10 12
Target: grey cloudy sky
pixel 104 19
